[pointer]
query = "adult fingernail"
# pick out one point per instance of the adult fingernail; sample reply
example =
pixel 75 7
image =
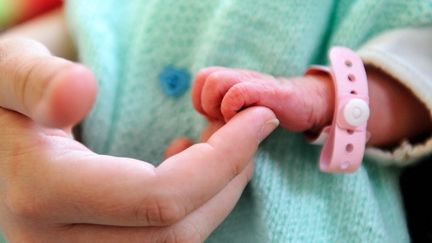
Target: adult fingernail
pixel 268 127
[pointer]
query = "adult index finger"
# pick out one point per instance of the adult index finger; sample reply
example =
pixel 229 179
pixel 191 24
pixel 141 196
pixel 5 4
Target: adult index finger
pixel 191 178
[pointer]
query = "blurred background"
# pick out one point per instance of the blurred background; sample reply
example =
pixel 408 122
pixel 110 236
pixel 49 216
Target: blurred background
pixel 16 11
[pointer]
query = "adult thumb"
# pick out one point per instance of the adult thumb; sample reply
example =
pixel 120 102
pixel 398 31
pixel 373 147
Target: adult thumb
pixel 50 90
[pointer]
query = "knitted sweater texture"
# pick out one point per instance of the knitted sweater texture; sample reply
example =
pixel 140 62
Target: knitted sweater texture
pixel 132 46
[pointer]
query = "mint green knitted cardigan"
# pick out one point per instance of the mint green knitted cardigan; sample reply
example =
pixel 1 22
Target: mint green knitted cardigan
pixel 130 44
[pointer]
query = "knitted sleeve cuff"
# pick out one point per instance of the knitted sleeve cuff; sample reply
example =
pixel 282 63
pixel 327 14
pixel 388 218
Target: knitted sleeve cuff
pixel 406 55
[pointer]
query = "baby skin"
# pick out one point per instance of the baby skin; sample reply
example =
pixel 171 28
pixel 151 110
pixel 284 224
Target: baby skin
pixel 306 104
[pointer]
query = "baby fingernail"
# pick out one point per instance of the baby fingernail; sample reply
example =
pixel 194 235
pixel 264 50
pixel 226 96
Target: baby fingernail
pixel 268 127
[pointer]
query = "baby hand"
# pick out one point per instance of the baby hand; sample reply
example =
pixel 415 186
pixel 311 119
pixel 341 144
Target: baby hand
pixel 300 103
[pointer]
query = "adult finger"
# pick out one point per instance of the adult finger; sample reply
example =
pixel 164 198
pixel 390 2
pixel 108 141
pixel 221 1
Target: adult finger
pixel 194 176
pixel 50 90
pixel 196 227
pixel 179 144
pixel 212 127
pixel 208 217
pixel 176 146
pixel 68 184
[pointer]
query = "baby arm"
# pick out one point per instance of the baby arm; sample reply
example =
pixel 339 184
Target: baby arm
pixel 307 103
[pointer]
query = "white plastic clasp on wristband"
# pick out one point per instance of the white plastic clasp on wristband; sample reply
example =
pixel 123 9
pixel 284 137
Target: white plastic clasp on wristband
pixel 345 140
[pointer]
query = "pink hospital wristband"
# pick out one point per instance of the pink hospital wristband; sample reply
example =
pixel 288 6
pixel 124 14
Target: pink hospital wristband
pixel 345 139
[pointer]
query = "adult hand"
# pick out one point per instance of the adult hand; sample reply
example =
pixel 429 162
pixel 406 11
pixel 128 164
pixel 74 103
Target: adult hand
pixel 54 189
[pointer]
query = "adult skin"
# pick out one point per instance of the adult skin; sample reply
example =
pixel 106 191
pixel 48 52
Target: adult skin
pixel 54 189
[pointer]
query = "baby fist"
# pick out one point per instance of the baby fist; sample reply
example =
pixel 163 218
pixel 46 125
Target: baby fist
pixel 300 103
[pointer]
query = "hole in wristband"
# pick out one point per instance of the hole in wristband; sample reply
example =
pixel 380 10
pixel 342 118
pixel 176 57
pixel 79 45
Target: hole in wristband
pixel 353 92
pixel 351 77
pixel 349 147
pixel 345 165
pixel 348 63
pixel 349 131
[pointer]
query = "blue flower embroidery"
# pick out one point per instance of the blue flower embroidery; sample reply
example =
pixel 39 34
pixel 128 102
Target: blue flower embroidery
pixel 174 81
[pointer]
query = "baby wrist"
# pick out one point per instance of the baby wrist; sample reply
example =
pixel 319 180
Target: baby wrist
pixel 345 140
pixel 323 106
